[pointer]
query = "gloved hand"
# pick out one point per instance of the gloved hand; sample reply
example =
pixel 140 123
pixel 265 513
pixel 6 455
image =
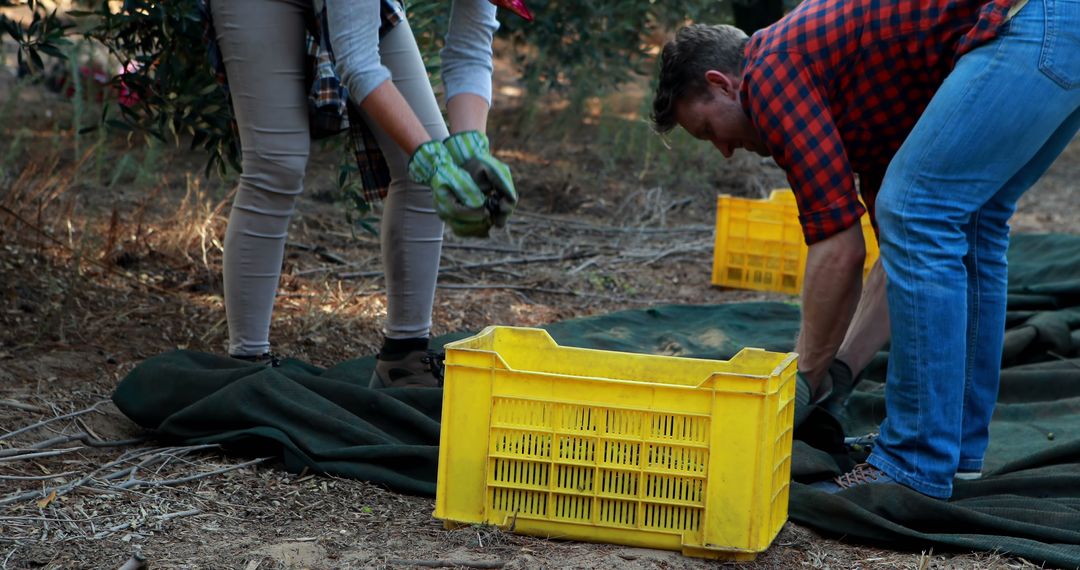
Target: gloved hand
pixel 842 382
pixel 803 394
pixel 471 151
pixel 458 200
pixel 806 399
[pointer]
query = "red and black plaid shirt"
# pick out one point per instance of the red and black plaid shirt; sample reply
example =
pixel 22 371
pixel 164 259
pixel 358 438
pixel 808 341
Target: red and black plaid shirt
pixel 835 87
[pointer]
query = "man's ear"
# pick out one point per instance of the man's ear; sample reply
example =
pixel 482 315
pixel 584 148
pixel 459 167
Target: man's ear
pixel 722 81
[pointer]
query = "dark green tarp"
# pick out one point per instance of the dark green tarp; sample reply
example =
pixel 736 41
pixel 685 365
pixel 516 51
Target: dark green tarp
pixel 1028 504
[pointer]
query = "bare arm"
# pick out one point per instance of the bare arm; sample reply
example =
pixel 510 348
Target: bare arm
pixel 831 291
pixel 389 109
pixel 869 329
pixel 468 112
pixel 467 71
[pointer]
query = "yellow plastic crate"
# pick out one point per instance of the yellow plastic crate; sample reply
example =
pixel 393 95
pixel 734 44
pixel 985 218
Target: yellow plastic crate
pixel 759 244
pixel 599 446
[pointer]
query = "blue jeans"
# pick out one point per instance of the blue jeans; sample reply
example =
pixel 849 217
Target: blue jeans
pixel 997 123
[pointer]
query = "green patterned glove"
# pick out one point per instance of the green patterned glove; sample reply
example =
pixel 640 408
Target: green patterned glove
pixel 471 150
pixel 458 200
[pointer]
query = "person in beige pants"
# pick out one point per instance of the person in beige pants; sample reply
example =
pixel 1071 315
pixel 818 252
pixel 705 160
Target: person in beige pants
pixel 262 46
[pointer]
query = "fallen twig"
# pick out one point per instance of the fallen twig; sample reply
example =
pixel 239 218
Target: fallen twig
pixel 654 256
pixel 132 524
pixel 343 265
pixel 318 250
pixel 508 287
pixel 519 260
pixel 448 563
pixel 87 439
pixel 87 430
pixel 300 246
pixel 21 406
pixel 19 454
pixel 37 477
pixel 68 487
pixel 513 261
pixel 615 229
pixel 154 456
pixel 132 483
pixel 588 262
pixel 548 290
pixel 176 515
pixel 50 420
pixel 481 247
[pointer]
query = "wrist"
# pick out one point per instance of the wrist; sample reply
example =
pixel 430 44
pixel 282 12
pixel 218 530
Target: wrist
pixel 841 375
pixel 840 370
pixel 467 145
pixel 426 160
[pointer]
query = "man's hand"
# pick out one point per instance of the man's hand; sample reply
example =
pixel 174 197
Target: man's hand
pixel 830 393
pixel 840 382
pixel 458 199
pixel 471 151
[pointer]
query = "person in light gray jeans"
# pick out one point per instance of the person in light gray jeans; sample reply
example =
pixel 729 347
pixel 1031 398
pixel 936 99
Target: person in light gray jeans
pixel 262 45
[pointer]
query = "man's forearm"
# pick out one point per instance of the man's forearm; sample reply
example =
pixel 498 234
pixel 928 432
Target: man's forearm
pixel 831 289
pixel 869 329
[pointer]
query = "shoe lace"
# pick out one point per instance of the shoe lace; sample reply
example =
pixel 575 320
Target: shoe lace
pixel 435 361
pixel 862 473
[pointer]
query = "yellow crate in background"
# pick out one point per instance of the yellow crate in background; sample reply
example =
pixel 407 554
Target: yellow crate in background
pixel 759 244
pixel 652 451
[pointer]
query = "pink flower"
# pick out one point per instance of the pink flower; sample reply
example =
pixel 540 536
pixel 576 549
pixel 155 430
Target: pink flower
pixel 127 96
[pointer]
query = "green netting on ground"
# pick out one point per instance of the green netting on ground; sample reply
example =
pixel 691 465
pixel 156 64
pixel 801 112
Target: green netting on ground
pixel 1028 505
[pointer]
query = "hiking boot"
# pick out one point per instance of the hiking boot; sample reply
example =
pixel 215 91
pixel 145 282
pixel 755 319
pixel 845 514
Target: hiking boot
pixel 265 359
pixel 416 369
pixel 862 474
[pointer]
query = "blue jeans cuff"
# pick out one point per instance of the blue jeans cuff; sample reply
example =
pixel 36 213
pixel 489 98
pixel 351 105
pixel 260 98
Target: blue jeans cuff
pixel 970 465
pixel 907 480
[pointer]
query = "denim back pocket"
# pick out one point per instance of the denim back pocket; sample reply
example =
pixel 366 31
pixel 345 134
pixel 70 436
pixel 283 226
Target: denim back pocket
pixel 1060 58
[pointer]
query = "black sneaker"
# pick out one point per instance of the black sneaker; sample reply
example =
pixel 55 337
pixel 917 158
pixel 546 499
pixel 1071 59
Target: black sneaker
pixel 417 369
pixel 265 359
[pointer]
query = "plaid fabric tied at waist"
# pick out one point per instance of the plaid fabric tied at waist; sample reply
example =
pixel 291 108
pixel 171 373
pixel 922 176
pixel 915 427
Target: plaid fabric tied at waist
pixel 330 111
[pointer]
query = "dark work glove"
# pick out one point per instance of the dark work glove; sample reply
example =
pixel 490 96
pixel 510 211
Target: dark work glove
pixel 833 391
pixel 843 382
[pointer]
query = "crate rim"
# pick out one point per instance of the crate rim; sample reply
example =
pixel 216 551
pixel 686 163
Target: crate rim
pixel 492 329
pixel 774 193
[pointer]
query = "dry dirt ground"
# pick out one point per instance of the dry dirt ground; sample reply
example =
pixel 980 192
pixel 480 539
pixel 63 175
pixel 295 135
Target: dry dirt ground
pixel 110 252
